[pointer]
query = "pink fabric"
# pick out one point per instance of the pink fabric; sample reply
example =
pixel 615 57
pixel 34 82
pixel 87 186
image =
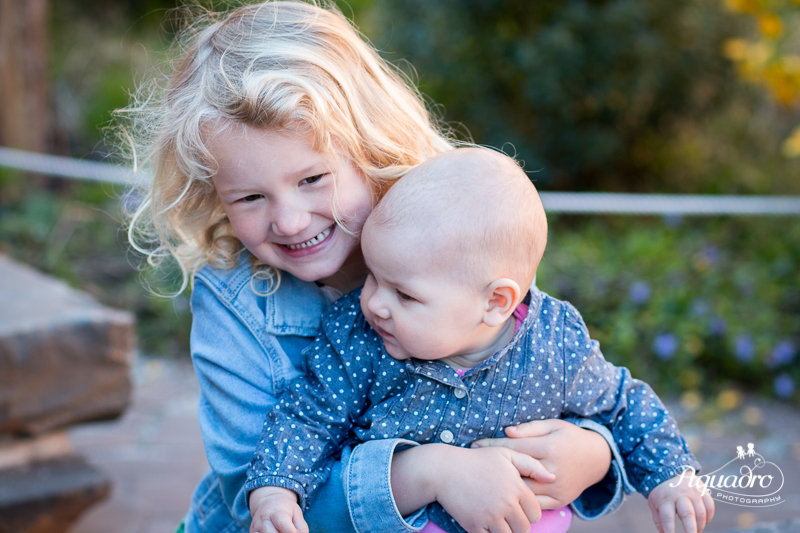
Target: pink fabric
pixel 519 315
pixel 553 521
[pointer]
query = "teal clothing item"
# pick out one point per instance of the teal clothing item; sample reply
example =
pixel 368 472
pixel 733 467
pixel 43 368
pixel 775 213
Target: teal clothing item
pixel 246 348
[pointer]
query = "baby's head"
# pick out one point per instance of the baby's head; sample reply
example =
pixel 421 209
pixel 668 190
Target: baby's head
pixel 452 249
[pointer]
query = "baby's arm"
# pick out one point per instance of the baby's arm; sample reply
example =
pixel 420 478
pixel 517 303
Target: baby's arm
pixel 310 422
pixel 653 448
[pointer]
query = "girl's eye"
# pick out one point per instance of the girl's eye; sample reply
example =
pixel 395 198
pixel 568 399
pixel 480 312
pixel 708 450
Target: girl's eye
pixel 403 296
pixel 251 197
pixel 311 179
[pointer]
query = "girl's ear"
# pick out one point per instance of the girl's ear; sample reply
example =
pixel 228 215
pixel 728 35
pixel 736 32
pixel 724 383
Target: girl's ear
pixel 502 296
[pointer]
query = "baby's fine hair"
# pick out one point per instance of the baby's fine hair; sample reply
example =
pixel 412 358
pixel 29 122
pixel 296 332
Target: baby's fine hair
pixel 477 208
pixel 277 65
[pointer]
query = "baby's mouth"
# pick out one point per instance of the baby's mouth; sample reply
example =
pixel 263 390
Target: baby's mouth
pixel 312 241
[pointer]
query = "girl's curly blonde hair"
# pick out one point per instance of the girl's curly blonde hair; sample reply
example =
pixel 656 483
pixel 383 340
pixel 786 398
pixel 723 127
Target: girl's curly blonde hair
pixel 274 64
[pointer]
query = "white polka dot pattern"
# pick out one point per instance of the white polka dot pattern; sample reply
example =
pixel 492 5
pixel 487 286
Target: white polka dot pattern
pixel 356 392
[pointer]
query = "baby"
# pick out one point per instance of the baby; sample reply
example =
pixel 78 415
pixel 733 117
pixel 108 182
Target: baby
pixel 447 344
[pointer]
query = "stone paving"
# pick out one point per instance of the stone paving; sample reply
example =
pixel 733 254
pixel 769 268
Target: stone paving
pixel 154 456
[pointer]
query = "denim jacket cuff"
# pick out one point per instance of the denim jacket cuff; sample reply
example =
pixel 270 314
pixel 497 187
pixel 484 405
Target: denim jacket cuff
pixel 606 496
pixel 277 481
pixel 685 462
pixel 368 488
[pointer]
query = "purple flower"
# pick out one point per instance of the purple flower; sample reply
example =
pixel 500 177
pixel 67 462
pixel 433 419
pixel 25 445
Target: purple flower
pixel 711 254
pixel 665 346
pixel 718 327
pixel 784 386
pixel 744 348
pixel 782 354
pixel 700 307
pixel 639 292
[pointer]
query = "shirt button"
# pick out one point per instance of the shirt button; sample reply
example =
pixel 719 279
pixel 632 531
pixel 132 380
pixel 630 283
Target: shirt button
pixel 446 436
pixel 460 393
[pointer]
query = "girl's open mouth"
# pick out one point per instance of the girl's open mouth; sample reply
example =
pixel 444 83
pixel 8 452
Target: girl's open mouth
pixel 311 245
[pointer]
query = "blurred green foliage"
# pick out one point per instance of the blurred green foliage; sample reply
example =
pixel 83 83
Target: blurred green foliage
pixel 686 304
pixel 612 94
pixel 590 94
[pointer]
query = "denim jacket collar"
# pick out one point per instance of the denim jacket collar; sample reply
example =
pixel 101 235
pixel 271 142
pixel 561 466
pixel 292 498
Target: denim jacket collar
pixel 294 309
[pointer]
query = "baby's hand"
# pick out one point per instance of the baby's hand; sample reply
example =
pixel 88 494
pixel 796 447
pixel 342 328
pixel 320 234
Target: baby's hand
pixel 685 495
pixel 275 510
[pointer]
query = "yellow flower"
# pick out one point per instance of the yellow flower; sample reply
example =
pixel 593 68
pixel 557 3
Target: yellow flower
pixel 791 146
pixel 729 399
pixel 735 49
pixel 770 25
pixel 744 6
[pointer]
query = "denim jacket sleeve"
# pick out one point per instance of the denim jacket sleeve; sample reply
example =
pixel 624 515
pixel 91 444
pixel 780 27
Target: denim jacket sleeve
pixel 606 496
pixel 240 368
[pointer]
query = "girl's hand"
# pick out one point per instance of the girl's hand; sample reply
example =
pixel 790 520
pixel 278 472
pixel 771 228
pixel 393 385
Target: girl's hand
pixel 482 488
pixel 579 458
pixel 275 510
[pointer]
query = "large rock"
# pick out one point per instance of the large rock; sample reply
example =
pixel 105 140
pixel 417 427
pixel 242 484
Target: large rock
pixel 47 497
pixel 64 358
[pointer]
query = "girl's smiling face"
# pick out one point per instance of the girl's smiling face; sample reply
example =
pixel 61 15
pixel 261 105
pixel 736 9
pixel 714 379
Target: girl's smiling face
pixel 278 193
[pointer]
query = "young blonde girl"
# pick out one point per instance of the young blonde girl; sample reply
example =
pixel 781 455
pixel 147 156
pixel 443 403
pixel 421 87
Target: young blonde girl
pixel 276 134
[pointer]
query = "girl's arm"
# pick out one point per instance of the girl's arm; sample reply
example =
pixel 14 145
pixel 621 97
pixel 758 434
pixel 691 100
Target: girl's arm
pixel 578 458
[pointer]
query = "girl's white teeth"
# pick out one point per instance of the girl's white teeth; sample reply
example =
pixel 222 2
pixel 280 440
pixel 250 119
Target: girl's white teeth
pixel 310 242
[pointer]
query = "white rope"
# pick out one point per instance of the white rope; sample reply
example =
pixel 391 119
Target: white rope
pixel 53 165
pixel 554 202
pixel 668 204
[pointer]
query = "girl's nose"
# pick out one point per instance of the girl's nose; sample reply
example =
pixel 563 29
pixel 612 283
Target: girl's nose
pixel 289 219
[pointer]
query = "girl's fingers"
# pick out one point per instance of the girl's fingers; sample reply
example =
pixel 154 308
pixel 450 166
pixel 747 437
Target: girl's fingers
pixel 518 523
pixel 536 428
pixel 685 511
pixel 532 508
pixel 546 502
pixel 500 527
pixel 530 467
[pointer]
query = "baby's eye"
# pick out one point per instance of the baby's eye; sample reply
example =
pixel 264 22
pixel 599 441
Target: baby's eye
pixel 311 179
pixel 403 296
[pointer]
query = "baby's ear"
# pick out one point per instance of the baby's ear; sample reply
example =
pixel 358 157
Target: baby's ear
pixel 502 296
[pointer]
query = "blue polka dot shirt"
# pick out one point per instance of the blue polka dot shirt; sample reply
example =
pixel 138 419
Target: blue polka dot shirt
pixel 355 392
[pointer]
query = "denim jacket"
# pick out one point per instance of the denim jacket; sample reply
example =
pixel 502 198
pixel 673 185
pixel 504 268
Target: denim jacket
pixel 246 348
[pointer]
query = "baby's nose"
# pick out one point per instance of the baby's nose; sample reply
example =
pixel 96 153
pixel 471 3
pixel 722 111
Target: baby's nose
pixel 377 308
